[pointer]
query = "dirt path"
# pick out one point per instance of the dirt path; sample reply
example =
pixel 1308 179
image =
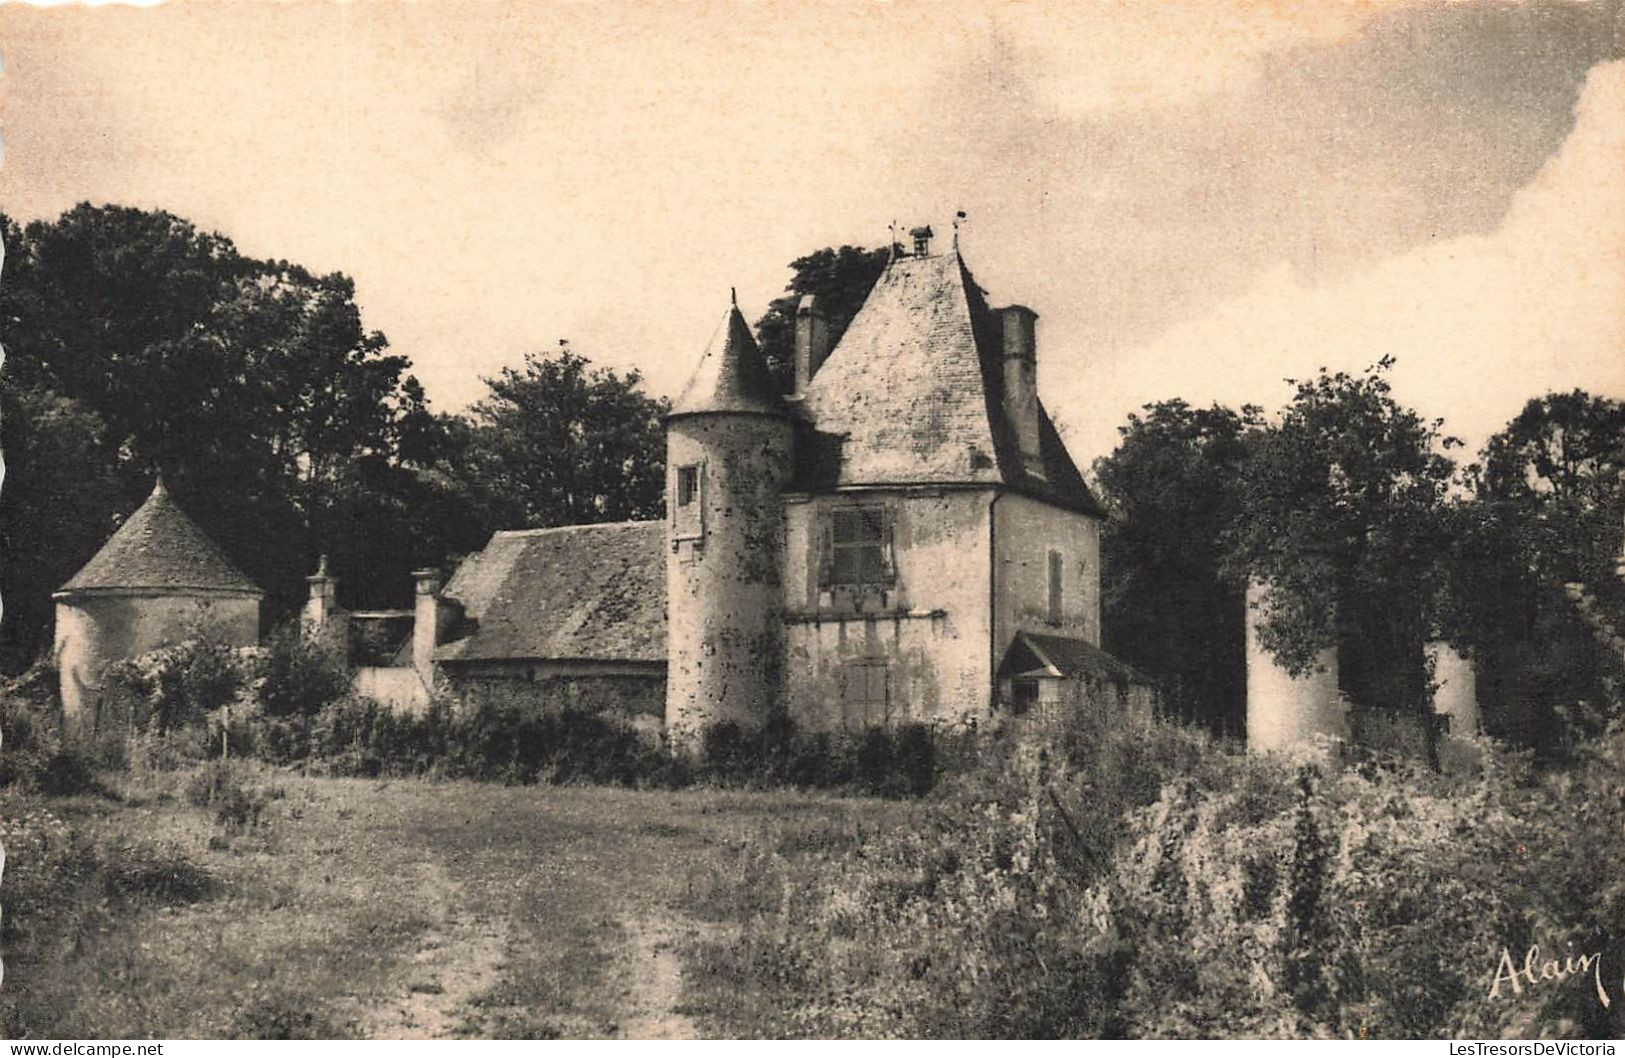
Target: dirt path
pixel 656 985
pixel 457 959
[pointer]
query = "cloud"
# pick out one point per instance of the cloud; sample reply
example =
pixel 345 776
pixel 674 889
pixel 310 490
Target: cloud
pixel 1478 323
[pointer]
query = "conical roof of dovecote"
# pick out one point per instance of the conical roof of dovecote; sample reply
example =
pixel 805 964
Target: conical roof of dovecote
pixel 159 549
pixel 732 375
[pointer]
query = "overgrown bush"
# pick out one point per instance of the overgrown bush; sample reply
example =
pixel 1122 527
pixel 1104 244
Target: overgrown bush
pixel 1153 883
pixel 301 675
pixel 68 771
pixel 220 785
pixel 172 688
pixel 890 762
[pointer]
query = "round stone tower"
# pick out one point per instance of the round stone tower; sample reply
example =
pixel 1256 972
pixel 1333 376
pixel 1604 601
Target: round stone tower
pixel 1286 711
pixel 157 581
pixel 728 460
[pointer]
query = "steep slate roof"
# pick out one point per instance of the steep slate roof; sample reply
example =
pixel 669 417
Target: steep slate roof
pixel 913 394
pixel 158 548
pixel 732 376
pixel 578 593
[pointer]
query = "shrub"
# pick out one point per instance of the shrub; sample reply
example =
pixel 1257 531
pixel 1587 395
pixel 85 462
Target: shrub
pixel 172 688
pixel 300 675
pixel 155 874
pixel 219 785
pixel 890 762
pixel 68 771
pixel 1157 883
pixel 29 733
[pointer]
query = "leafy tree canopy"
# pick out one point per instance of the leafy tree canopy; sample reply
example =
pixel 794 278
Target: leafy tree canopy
pixel 559 442
pixel 252 384
pixel 1173 485
pixel 840 278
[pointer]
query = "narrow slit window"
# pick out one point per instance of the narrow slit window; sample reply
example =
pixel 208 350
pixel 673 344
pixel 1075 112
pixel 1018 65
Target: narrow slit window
pixel 1057 573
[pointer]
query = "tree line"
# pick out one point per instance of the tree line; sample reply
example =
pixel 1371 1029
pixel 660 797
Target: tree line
pixel 135 341
pixel 1375 540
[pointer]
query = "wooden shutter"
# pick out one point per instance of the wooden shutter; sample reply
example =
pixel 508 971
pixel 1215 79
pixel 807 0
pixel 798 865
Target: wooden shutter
pixel 888 553
pixel 826 549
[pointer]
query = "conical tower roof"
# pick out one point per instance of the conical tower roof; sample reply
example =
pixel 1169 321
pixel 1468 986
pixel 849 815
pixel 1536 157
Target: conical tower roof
pixel 160 549
pixel 732 375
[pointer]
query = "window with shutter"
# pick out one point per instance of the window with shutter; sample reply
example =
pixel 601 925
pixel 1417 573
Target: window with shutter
pixel 859 548
pixel 865 692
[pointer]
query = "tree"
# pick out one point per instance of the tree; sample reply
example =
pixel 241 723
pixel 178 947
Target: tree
pixel 1558 466
pixel 252 384
pixel 57 506
pixel 1341 513
pixel 559 442
pixel 1173 486
pixel 840 278
pixel 1547 510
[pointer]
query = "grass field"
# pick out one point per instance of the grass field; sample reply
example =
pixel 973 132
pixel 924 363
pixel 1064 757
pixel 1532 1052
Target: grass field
pixel 417 909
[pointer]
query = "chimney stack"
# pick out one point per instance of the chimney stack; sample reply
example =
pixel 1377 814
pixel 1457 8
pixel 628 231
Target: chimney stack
pixel 1021 382
pixel 922 240
pixel 812 341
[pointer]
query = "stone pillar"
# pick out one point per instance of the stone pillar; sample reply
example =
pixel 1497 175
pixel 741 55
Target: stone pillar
pixel 1457 693
pixel 426 622
pixel 1286 711
pixel 322 603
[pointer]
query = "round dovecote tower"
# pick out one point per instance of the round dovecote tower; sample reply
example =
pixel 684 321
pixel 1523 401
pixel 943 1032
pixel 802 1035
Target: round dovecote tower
pixel 158 580
pixel 728 459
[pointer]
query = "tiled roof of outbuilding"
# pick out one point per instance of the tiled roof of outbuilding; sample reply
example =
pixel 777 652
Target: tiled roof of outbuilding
pixel 578 592
pixel 158 548
pixel 914 394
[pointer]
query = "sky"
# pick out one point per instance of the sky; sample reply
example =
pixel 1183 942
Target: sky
pixel 1200 198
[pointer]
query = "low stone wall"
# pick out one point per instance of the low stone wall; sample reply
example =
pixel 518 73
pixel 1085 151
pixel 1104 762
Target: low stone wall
pixel 401 689
pixel 626 694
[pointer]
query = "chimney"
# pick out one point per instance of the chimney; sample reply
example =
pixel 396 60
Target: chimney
pixel 1021 383
pixel 322 604
pixel 426 622
pixel 922 241
pixel 812 341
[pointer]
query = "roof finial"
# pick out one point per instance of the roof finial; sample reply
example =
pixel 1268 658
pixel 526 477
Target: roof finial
pixel 958 219
pixel 891 244
pixel 158 488
pixel 733 296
